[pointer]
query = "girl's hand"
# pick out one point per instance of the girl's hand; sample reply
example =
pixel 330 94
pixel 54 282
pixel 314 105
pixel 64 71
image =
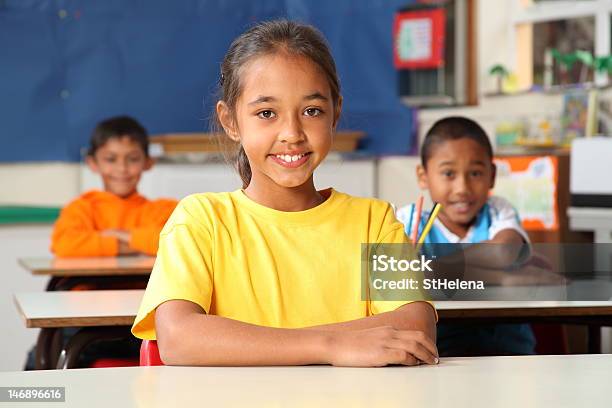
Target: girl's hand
pixel 381 346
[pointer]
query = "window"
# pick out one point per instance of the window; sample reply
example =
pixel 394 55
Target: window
pixel 566 37
pixel 543 26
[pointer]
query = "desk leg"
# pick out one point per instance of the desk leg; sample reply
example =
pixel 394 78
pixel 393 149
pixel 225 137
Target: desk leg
pixel 57 343
pixel 83 338
pixel 43 348
pixel 594 345
pixel 53 282
pixel 67 283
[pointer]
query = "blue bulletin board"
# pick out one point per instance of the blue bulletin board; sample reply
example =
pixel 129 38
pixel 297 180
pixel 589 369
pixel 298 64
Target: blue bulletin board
pixel 66 64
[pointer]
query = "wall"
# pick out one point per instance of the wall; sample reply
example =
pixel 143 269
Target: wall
pixel 18 241
pixel 397 180
pixel 58 182
pixel 494 109
pixel 158 61
pixel 356 177
pixel 47 184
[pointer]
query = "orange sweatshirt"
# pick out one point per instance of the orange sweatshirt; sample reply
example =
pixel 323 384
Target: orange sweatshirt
pixel 77 230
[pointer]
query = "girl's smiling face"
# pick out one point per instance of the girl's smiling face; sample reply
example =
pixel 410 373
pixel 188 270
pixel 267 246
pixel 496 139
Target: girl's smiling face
pixel 459 175
pixel 284 118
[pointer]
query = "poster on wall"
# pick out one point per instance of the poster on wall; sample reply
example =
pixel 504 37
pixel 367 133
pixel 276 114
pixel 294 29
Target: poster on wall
pixel 530 184
pixel 418 39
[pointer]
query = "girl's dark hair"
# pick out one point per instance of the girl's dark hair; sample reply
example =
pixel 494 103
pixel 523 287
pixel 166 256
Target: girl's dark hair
pixel 118 127
pixel 453 128
pixel 267 38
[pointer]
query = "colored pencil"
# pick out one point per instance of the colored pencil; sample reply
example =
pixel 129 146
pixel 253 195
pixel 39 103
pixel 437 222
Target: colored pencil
pixel 417 220
pixel 409 230
pixel 432 216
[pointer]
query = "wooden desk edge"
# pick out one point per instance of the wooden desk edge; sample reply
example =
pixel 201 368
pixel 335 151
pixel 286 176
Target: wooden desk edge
pixel 443 314
pixel 94 321
pixel 90 272
pixel 571 311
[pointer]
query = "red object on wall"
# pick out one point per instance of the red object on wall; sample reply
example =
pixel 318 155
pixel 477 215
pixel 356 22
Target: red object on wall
pixel 418 39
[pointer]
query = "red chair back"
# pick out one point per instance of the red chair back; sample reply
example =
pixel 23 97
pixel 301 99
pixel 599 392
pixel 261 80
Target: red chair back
pixel 149 354
pixel 114 362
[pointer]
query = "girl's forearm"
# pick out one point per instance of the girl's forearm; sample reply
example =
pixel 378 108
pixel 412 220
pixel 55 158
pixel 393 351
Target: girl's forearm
pixel 199 339
pixel 187 336
pixel 412 316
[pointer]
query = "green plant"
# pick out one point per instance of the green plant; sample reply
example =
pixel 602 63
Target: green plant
pixel 597 64
pixel 566 61
pixel 587 63
pixel 500 72
pixel 603 63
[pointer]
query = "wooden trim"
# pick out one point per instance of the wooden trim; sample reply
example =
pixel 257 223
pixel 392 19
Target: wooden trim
pixel 343 141
pixel 472 54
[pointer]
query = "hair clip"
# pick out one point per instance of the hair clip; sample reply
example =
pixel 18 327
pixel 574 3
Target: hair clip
pixel 222 79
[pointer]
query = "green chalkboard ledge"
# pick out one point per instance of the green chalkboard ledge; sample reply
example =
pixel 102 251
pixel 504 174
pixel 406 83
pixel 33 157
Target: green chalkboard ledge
pixel 28 215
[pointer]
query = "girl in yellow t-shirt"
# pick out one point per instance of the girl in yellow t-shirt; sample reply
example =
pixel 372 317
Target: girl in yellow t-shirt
pixel 270 274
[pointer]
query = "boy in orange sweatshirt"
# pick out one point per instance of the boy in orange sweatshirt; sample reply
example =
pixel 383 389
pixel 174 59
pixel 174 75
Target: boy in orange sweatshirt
pixel 116 221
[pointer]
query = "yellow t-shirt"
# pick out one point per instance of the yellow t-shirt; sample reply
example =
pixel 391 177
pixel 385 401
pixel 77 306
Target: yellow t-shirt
pixel 241 260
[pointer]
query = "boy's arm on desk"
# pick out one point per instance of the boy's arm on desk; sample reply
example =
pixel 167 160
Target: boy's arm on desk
pixel 188 336
pixel 138 240
pixel 74 234
pixel 123 238
pixel 494 262
pixel 525 275
pixel 499 252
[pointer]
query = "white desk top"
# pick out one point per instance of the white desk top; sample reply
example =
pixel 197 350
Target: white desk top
pixel 517 382
pixel 95 266
pixel 119 307
pixel 601 212
pixel 79 308
pixel 590 219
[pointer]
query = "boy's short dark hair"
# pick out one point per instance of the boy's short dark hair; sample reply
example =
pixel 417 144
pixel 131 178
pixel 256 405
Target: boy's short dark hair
pixel 116 127
pixel 453 128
